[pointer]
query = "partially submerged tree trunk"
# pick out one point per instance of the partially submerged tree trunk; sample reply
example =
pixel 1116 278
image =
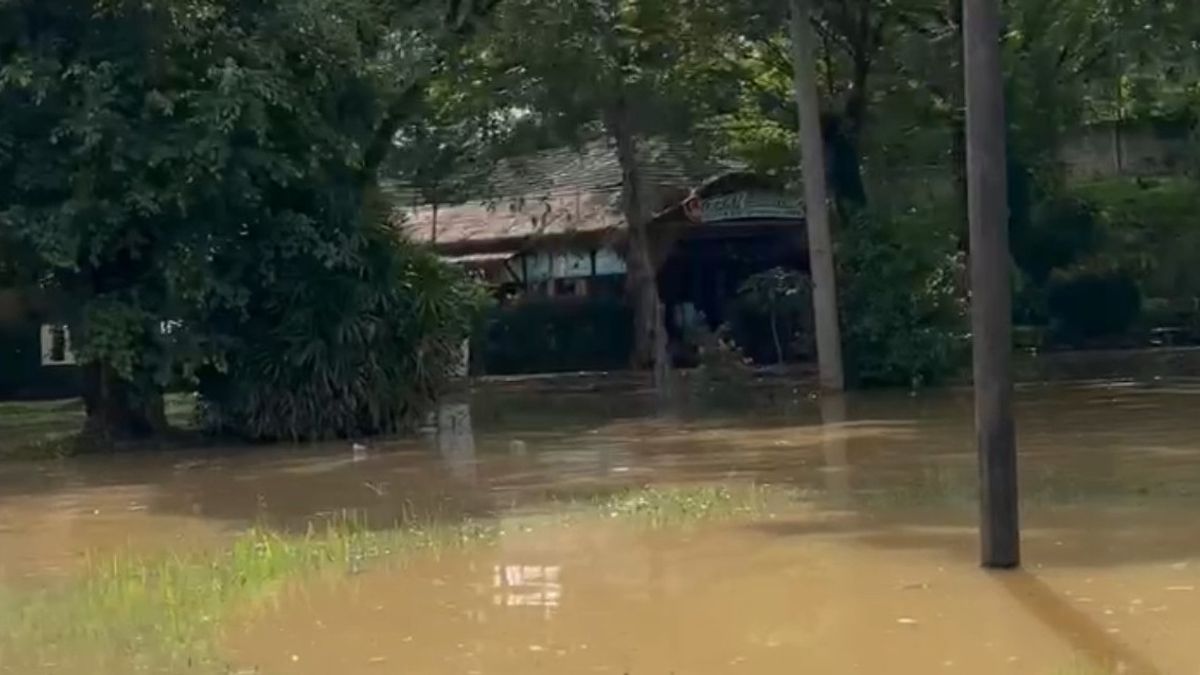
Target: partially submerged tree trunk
pixel 120 407
pixel 118 410
pixel 649 325
pixel 816 198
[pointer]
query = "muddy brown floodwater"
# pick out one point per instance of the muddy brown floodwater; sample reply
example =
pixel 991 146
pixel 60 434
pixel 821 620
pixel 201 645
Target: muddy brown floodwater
pixel 872 571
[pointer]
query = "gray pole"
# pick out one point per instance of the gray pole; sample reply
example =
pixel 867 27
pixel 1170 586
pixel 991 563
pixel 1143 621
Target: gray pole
pixel 816 202
pixel 991 294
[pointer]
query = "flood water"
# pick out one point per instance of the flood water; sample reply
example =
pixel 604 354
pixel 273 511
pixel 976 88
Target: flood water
pixel 873 569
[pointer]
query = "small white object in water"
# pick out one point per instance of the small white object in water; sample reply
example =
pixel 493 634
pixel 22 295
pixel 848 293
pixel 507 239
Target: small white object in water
pixel 295 657
pixel 517 447
pixel 1181 588
pixel 906 621
pixel 359 451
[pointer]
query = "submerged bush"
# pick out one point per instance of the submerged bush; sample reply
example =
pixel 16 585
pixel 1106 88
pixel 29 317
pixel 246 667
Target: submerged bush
pixel 1087 303
pixel 556 335
pixel 354 349
pixel 903 309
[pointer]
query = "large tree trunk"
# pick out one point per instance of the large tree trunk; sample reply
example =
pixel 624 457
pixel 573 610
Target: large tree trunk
pixel 845 164
pixel 650 334
pixel 816 198
pixel 118 410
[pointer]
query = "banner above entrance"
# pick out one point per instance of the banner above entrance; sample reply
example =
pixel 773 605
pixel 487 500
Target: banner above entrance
pixel 757 205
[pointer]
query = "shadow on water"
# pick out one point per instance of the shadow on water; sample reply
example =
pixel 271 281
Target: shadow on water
pixel 1103 649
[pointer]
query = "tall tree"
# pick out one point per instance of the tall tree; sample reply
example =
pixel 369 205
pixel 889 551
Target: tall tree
pixel 615 69
pixel 820 241
pixel 162 159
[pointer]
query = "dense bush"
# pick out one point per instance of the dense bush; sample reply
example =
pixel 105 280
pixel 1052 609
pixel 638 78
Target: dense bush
pixel 356 349
pixel 903 313
pixel 771 317
pixel 555 335
pixel 1086 304
pixel 1151 229
pixel 1060 231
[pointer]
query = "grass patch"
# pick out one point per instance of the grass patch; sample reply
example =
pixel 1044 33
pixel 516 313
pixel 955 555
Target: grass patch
pixel 164 614
pixel 38 428
pixel 48 429
pixel 131 614
pixel 661 507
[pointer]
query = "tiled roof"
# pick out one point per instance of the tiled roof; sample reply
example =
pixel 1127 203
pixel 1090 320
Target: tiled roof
pixel 515 220
pixel 556 192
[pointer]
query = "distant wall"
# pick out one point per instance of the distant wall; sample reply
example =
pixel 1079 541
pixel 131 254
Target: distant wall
pixel 1100 151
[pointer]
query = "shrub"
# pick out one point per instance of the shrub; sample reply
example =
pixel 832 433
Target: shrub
pixel 1087 303
pixel 555 335
pixel 1062 230
pixel 903 314
pixel 771 317
pixel 1152 231
pixel 358 349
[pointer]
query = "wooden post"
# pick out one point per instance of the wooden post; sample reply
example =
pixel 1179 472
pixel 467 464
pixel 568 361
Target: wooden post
pixel 816 202
pixel 991 293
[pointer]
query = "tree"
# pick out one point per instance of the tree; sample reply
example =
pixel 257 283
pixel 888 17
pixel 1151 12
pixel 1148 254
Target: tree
pixel 167 160
pixel 784 296
pixel 618 69
pixel 820 241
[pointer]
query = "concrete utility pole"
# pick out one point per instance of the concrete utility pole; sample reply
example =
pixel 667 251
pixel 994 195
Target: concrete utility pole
pixel 816 201
pixel 991 293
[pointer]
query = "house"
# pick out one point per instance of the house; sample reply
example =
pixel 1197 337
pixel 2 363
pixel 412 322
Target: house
pixel 550 229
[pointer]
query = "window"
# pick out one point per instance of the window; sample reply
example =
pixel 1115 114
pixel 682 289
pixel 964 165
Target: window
pixel 56 345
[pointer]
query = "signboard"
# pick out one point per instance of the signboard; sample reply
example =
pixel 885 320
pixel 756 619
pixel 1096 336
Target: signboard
pixel 746 206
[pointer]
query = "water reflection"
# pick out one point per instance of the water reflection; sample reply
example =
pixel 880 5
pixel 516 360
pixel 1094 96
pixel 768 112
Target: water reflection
pixel 456 440
pixel 526 586
pixel 836 469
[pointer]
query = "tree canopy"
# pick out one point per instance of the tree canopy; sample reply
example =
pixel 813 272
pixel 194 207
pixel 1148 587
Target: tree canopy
pixel 181 169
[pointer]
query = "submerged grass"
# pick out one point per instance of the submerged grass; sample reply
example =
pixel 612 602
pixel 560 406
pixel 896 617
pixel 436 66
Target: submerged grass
pixel 133 614
pixel 164 614
pixel 659 507
pixel 48 429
